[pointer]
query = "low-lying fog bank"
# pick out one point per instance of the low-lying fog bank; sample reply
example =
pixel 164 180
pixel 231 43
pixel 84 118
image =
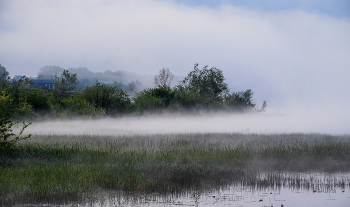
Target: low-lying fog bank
pixel 264 123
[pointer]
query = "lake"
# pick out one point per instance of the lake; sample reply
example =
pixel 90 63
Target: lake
pixel 267 189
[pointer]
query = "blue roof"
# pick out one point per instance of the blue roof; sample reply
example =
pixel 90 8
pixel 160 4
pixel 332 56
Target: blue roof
pixel 41 81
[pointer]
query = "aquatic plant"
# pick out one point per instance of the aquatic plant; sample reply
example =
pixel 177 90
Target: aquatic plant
pixel 61 166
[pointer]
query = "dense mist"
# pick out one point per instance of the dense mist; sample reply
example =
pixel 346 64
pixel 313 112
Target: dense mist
pixel 265 123
pixel 284 56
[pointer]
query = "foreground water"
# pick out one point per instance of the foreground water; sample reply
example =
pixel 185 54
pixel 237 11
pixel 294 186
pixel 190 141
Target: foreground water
pixel 268 189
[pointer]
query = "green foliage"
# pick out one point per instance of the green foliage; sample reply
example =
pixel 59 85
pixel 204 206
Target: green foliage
pixel 38 98
pixel 206 82
pixel 73 107
pixel 67 81
pixel 13 100
pixel 16 89
pixel 17 109
pixel 61 167
pixel 201 90
pixel 7 138
pixel 153 99
pixel 189 100
pixel 102 96
pixel 240 101
pixel 4 78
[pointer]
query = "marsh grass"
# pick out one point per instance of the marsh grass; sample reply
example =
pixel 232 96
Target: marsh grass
pixel 57 167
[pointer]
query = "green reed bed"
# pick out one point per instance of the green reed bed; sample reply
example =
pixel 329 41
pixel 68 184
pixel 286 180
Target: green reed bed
pixel 60 166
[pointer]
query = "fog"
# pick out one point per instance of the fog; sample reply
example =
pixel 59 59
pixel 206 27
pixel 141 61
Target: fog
pixel 295 59
pixel 263 123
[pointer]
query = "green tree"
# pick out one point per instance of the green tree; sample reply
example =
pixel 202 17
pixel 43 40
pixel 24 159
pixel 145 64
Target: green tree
pixel 13 100
pixel 241 101
pixel 38 98
pixel 16 88
pixel 206 82
pixel 17 109
pixel 67 81
pixel 154 99
pixel 4 78
pixel 113 100
pixel 76 106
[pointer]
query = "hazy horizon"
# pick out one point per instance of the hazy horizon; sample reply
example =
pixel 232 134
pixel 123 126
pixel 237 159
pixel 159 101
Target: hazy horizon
pixel 251 123
pixel 292 54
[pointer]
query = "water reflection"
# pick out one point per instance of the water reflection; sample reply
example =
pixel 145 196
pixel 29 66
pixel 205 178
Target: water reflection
pixel 267 189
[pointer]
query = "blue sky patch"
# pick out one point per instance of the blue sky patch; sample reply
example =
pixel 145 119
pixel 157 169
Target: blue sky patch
pixel 335 8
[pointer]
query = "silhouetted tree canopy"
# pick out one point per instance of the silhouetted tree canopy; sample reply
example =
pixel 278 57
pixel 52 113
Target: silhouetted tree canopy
pixel 208 82
pixel 3 71
pixel 163 80
pixel 113 100
pixel 67 81
pixel 4 79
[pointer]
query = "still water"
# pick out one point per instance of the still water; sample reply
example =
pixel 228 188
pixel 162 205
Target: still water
pixel 269 189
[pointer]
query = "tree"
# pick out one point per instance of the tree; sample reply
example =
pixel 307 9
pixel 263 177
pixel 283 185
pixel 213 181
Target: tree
pixel 7 138
pixel 76 106
pixel 153 99
pixel 67 81
pixel 108 97
pixel 163 80
pixel 134 87
pixel 4 78
pixel 241 101
pixel 3 71
pixel 49 71
pixel 206 82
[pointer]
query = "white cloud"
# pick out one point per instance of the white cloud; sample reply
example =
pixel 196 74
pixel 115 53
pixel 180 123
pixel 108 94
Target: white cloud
pixel 290 57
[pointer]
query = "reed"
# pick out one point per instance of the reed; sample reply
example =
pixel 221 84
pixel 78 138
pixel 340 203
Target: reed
pixel 60 166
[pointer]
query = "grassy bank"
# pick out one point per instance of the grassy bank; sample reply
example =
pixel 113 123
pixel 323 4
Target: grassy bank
pixel 60 166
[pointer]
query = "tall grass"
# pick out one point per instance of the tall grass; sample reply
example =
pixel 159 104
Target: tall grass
pixel 58 166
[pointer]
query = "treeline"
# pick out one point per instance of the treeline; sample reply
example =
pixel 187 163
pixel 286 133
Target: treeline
pixel 202 90
pixel 127 81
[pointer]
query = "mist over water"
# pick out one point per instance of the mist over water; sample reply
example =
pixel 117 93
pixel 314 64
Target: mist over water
pixel 260 123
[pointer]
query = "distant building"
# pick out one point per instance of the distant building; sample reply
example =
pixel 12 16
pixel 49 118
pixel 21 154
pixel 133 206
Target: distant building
pixel 42 83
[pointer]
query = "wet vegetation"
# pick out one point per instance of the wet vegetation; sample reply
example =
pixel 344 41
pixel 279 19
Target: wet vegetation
pixel 58 167
pixel 202 90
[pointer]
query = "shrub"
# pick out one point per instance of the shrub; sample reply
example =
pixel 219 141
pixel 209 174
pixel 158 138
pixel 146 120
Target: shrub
pixel 113 100
pixel 67 81
pixel 240 101
pixel 38 98
pixel 6 133
pixel 73 107
pixel 154 99
pixel 206 82
pixel 18 109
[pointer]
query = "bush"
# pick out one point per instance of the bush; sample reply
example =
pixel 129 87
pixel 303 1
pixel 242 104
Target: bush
pixel 67 81
pixel 154 99
pixel 6 134
pixel 240 101
pixel 73 107
pixel 113 100
pixel 18 109
pixel 206 82
pixel 39 99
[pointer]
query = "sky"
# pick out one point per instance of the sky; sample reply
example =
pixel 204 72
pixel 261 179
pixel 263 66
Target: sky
pixel 293 54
